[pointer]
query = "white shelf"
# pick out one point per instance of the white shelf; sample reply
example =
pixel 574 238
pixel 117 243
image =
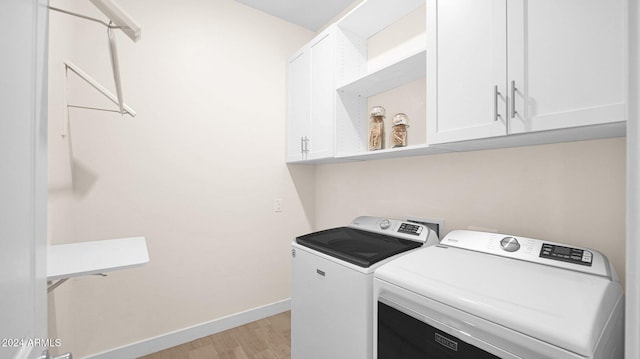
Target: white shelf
pixel 365 74
pixel 372 16
pixel 78 259
pixel 397 73
pixel 417 150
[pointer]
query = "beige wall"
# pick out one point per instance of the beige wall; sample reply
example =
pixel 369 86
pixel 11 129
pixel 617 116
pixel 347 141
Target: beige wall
pixel 196 172
pixel 571 192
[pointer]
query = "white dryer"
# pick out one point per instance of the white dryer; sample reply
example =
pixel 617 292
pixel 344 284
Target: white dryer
pixel 485 295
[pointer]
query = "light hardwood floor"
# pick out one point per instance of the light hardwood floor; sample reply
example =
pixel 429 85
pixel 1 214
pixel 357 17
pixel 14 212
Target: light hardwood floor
pixel 268 338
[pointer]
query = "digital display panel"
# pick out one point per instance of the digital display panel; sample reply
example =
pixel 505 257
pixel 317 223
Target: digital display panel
pixel 562 250
pixel 410 229
pixel 566 254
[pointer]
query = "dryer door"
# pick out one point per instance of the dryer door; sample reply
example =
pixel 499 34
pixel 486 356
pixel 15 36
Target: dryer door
pixel 402 336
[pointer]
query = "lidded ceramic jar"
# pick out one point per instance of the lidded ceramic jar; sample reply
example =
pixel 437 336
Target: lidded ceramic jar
pixel 376 128
pixel 399 130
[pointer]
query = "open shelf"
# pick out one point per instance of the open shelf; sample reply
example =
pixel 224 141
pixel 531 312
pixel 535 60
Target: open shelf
pixel 378 70
pixel 417 150
pixel 388 77
pixel 352 131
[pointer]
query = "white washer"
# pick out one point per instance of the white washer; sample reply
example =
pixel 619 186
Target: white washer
pixel 486 295
pixel 332 284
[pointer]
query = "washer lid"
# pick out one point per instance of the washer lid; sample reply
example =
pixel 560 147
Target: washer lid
pixel 356 246
pixel 565 308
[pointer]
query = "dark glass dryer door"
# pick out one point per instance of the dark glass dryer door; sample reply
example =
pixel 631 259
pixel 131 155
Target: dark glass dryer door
pixel 356 246
pixel 402 336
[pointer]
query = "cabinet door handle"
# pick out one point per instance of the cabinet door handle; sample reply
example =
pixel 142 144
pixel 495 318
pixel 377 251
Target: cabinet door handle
pixel 496 94
pixel 513 99
pixel 304 144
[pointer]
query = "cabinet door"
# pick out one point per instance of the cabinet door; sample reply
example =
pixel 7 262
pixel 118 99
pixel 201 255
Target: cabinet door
pixel 323 93
pixel 298 92
pixel 466 69
pixel 567 62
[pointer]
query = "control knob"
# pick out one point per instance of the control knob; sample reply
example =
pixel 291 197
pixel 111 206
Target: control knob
pixel 509 244
pixel 385 223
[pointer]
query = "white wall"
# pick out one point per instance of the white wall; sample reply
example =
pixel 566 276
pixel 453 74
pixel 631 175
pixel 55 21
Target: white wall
pixel 196 172
pixel 23 166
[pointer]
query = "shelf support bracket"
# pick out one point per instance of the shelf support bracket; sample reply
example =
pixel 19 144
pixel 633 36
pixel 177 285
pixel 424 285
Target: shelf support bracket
pixel 68 65
pixel 55 285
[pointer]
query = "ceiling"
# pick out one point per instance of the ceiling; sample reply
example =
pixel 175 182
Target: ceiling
pixel 311 14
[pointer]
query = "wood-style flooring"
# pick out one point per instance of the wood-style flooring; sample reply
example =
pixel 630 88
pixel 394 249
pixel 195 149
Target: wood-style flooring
pixel 268 338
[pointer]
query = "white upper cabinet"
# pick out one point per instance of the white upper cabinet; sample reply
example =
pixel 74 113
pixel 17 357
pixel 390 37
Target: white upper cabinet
pixel 298 104
pixel 323 95
pixel 466 69
pixel 497 67
pixel 567 62
pixel 497 73
pixel 311 74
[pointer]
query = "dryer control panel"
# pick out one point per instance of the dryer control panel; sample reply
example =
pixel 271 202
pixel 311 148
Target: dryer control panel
pixel 532 250
pixel 566 254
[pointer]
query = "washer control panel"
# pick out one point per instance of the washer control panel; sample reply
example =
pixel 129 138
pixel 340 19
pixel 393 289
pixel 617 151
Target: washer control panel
pixel 396 228
pixel 566 254
pixel 408 228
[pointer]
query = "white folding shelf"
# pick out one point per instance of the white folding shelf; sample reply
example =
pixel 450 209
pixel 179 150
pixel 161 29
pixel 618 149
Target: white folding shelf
pixel 65 261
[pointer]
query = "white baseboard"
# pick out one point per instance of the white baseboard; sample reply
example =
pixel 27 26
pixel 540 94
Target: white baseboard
pixel 186 335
